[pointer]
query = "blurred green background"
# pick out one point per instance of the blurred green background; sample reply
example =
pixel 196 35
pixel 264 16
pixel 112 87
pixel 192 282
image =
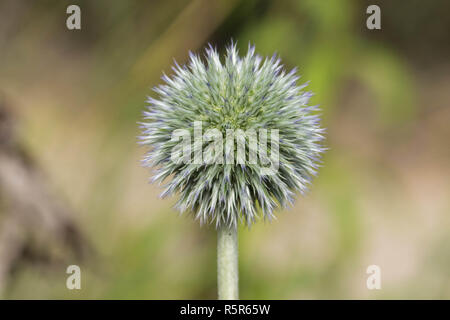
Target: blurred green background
pixel 381 197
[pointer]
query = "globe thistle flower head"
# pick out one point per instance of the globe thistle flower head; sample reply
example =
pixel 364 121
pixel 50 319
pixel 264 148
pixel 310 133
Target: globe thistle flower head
pixel 250 139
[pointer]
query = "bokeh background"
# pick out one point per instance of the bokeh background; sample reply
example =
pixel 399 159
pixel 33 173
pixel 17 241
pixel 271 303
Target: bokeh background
pixel 72 190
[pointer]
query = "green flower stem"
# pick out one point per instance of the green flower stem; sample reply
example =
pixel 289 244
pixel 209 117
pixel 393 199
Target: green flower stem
pixel 227 263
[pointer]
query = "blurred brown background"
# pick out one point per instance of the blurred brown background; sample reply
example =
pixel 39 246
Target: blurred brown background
pixel 72 190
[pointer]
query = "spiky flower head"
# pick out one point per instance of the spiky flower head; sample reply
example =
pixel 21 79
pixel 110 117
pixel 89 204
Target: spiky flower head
pixel 241 95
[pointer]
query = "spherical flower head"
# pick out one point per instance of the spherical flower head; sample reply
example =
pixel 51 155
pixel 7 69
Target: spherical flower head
pixel 235 139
